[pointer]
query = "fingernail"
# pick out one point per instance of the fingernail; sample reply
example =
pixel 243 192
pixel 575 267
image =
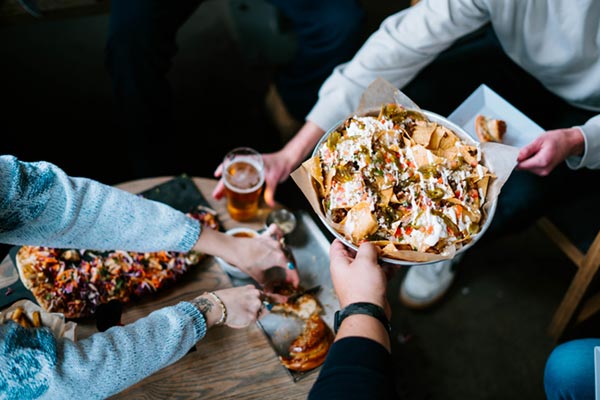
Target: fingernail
pixel 267 305
pixel 291 265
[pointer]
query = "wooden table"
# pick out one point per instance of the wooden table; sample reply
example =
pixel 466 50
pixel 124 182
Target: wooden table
pixel 228 363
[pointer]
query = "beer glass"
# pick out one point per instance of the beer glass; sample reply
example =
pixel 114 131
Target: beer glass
pixel 243 176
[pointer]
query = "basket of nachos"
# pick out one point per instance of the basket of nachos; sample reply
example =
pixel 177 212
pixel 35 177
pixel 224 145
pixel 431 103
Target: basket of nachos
pixel 408 180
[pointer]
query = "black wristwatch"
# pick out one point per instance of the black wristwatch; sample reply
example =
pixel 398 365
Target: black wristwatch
pixel 361 308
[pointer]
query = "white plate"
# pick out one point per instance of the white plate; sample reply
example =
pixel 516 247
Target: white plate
pixel 520 130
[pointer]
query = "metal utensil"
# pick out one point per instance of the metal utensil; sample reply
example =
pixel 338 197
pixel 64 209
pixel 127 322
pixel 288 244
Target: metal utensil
pixel 296 296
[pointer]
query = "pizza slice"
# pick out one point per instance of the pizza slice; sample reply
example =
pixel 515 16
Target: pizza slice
pixel 310 347
pixel 489 129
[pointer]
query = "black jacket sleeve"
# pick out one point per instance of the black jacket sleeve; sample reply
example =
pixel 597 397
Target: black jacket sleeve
pixel 355 368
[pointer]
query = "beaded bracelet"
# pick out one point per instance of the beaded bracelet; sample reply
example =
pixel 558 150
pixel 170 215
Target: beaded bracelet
pixel 223 309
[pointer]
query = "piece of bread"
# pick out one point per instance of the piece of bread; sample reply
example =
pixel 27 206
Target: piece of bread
pixel 310 348
pixel 490 129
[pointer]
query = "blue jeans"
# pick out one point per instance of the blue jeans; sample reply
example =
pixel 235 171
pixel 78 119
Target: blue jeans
pixel 141 46
pixel 569 372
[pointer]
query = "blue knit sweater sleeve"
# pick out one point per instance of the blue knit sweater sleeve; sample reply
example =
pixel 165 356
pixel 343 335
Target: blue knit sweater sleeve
pixel 37 366
pixel 41 205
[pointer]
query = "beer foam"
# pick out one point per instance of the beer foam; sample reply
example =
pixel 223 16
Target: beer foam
pixel 258 170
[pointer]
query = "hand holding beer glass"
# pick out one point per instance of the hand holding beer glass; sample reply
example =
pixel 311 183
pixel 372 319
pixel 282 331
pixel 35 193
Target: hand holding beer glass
pixel 243 176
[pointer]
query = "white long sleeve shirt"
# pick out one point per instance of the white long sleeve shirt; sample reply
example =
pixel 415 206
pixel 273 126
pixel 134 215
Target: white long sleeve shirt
pixel 556 41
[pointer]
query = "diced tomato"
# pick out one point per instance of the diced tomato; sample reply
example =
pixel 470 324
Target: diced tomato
pixel 398 232
pixel 458 209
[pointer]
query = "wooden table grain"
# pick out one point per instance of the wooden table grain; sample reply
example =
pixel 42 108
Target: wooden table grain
pixel 228 363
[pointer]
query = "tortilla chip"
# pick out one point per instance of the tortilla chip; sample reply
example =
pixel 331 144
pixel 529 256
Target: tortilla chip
pixel 436 137
pixel 483 183
pixel 422 132
pixel 421 155
pixel 360 222
pixel 314 166
pixel 467 153
pixel 448 139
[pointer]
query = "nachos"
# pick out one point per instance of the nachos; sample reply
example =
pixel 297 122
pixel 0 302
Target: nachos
pixel 408 184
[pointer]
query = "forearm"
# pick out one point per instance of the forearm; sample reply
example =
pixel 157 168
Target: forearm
pixel 361 325
pixel 41 205
pixel 36 364
pixel 108 362
pixel 302 144
pixel 405 43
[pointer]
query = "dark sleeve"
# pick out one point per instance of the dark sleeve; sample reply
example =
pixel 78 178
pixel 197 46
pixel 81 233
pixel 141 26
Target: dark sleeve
pixel 355 368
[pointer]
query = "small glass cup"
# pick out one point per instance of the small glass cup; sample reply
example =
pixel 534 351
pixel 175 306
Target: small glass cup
pixel 283 218
pixel 243 176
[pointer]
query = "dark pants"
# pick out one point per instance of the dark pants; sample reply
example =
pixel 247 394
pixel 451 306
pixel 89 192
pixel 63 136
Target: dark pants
pixel 142 43
pixel 455 74
pixel 328 33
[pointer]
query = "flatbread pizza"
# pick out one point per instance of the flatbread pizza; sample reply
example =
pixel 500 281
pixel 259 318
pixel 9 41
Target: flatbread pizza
pixel 76 282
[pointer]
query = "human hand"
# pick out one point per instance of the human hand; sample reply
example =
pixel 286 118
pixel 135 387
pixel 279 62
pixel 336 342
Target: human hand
pixel 550 149
pixel 219 190
pixel 358 278
pixel 264 259
pixel 243 303
pixel 277 168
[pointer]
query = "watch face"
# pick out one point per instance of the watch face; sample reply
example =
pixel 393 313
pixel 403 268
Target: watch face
pixel 336 321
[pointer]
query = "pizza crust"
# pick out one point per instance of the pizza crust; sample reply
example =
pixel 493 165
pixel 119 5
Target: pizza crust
pixel 489 129
pixel 309 349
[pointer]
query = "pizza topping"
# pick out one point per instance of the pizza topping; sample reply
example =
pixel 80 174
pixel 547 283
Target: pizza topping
pixel 75 282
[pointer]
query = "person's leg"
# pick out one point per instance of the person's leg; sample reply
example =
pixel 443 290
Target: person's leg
pixel 328 33
pixel 139 50
pixel 569 371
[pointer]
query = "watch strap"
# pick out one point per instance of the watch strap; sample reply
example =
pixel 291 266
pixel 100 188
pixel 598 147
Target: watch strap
pixel 361 308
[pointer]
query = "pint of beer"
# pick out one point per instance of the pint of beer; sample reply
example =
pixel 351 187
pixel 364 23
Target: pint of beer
pixel 243 175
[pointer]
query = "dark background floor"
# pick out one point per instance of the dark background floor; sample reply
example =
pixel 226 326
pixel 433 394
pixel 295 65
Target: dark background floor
pixel 488 339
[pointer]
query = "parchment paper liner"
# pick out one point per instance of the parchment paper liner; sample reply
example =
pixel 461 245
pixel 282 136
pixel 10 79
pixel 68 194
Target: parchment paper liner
pixel 499 158
pixel 55 321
